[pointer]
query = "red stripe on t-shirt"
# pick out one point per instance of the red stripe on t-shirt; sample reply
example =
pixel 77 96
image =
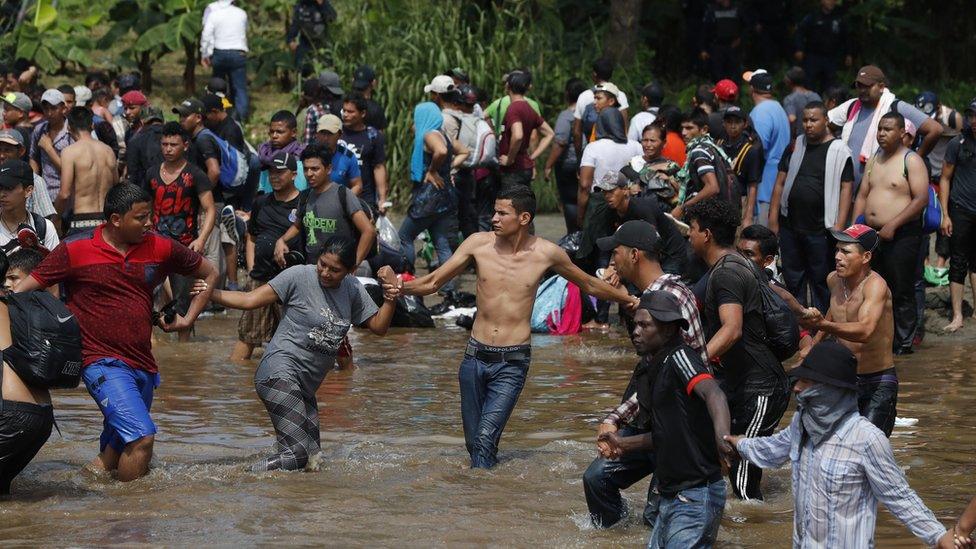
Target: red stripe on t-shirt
pixel 696 380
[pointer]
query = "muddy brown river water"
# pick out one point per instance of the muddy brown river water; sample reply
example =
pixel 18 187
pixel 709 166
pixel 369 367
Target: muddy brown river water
pixel 393 470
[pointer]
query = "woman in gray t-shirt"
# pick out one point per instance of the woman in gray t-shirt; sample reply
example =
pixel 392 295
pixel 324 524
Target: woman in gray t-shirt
pixel 320 303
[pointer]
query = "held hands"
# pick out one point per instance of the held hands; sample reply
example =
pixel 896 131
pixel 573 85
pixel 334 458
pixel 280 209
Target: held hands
pixel 390 282
pixel 812 317
pixel 179 323
pixel 199 286
pixel 613 443
pixel 603 446
pixel 726 453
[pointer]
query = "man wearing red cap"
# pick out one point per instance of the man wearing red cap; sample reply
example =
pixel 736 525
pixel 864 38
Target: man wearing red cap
pixel 860 317
pixel 132 104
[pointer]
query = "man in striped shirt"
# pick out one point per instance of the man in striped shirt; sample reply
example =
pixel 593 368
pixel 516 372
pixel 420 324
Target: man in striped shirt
pixel 636 248
pixel 842 465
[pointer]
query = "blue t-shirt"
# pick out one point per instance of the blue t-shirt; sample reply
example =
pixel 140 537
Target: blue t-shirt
pixel 345 166
pixel 771 123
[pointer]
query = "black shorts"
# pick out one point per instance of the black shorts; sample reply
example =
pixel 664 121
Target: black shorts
pixel 877 398
pixel 24 428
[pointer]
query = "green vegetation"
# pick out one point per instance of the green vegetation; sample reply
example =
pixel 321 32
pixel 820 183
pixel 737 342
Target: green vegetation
pixel 410 41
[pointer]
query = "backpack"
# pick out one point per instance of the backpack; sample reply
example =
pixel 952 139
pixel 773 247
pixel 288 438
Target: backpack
pixel 46 350
pixel 233 163
pixel 478 136
pixel 781 330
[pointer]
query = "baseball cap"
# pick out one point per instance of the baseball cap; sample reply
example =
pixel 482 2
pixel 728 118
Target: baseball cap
pixel 363 77
pixel 15 172
pixel 329 123
pixel 759 79
pixel 735 112
pixel 12 137
pixel 663 307
pixel 212 102
pixel 441 83
pixel 635 234
pixel 926 102
pixel 217 86
pixel 134 97
pixel 611 181
pixel 829 362
pixel 189 106
pixel 128 82
pixel 971 107
pixel 868 75
pixel 858 234
pixel 150 113
pixel 18 100
pixel 52 97
pixel 654 93
pixel 284 161
pixel 608 87
pixel 330 81
pixel 725 90
pixel 83 95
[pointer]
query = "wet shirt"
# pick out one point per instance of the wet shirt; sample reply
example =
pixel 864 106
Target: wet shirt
pixel 176 205
pixel 369 147
pixel 681 427
pixel 314 321
pixel 270 218
pixel 749 361
pixel 806 200
pixel 111 294
pixel 322 216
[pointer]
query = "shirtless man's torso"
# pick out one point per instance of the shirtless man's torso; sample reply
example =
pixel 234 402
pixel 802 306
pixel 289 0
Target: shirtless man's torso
pixel 88 171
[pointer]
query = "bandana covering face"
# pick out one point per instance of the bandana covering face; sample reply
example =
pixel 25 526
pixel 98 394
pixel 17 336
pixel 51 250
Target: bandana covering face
pixel 823 408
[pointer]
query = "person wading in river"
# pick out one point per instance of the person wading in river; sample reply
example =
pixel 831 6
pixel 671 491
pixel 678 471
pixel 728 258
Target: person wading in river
pixel 509 262
pixel 320 304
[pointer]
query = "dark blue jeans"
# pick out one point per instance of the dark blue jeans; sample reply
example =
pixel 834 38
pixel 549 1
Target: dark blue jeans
pixel 231 65
pixel 441 228
pixel 605 478
pixel 807 260
pixel 690 519
pixel 490 387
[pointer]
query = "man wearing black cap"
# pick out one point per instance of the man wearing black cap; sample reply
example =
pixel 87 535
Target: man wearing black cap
pixel 733 316
pixel 746 153
pixel 271 217
pixel 859 118
pixel 812 196
pixel 860 317
pixel 652 96
pixel 688 419
pixel 842 465
pixel 16 185
pixel 364 82
pixel 772 126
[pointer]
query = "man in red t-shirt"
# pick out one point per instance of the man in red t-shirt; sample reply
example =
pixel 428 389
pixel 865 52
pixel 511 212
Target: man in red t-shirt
pixel 517 164
pixel 110 273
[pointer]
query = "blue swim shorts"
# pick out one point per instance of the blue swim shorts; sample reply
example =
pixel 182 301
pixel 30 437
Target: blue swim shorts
pixel 124 395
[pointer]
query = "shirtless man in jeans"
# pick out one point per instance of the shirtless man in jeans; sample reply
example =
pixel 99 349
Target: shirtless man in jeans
pixel 88 171
pixel 860 317
pixel 893 193
pixel 510 263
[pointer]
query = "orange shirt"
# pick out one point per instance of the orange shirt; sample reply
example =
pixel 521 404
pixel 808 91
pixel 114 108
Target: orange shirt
pixel 674 149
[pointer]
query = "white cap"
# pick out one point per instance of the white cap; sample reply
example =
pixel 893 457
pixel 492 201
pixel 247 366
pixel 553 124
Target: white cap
pixel 52 97
pixel 608 87
pixel 440 84
pixel 82 96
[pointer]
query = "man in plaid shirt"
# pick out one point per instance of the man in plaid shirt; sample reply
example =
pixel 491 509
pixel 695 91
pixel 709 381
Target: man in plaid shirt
pixel 636 259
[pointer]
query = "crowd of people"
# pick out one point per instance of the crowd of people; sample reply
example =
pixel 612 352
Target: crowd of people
pixel 732 239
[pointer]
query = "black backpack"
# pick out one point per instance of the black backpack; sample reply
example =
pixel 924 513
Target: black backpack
pixel 46 350
pixel 782 332
pixel 40 228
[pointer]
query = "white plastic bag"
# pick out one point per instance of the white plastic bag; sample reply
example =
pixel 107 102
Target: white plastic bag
pixel 387 232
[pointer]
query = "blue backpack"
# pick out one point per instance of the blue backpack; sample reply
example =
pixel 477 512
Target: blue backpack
pixel 233 163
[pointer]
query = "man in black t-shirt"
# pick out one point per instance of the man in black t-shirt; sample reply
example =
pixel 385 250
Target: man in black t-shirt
pixel 271 217
pixel 368 145
pixel 812 196
pixel 745 152
pixel 732 311
pixel 689 420
pixel 143 150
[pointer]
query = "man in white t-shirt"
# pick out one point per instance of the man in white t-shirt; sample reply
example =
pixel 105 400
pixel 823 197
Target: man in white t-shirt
pixel 16 184
pixel 602 72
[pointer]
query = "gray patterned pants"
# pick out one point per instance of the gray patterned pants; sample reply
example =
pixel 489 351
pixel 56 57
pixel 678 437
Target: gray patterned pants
pixel 295 416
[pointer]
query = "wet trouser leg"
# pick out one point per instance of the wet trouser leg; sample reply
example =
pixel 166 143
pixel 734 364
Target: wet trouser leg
pixel 605 478
pixel 490 386
pixel 755 414
pixel 895 261
pixel 295 417
pixel 877 398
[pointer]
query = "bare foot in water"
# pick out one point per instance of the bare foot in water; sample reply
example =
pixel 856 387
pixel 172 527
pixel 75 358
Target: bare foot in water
pixel 594 325
pixel 953 326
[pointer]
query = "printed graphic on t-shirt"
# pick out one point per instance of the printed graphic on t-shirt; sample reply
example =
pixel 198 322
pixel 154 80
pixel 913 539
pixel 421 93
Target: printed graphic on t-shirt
pixel 326 337
pixel 314 223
